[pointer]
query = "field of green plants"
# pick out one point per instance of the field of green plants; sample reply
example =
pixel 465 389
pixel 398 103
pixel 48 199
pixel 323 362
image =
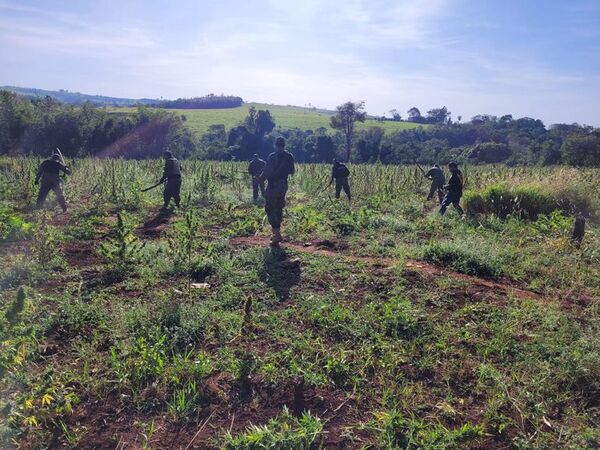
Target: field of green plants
pixel 286 117
pixel 378 325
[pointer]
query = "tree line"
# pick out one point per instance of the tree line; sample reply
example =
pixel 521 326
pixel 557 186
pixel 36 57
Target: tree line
pixel 210 101
pixel 37 126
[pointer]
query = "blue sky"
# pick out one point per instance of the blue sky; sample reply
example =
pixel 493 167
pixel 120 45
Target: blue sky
pixel 523 57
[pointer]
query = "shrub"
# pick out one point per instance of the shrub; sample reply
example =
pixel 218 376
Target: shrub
pixel 463 259
pixel 525 202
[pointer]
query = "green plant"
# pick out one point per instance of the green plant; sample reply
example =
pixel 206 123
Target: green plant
pixel 183 402
pixel 396 431
pixel 12 225
pixel 282 433
pixel 122 250
pixel 45 241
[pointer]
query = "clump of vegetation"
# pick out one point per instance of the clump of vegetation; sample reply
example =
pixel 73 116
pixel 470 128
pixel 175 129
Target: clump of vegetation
pixel 525 201
pixel 122 251
pixel 12 226
pixel 45 242
pixel 464 259
pixel 285 432
pixel 399 431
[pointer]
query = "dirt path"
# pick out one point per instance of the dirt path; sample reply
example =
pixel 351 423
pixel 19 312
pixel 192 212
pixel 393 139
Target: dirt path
pixel 322 248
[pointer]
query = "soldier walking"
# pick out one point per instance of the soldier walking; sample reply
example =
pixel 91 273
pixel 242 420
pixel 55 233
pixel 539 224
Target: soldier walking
pixel 340 173
pixel 436 175
pixel 172 175
pixel 255 168
pixel 280 165
pixel 49 173
pixel 454 190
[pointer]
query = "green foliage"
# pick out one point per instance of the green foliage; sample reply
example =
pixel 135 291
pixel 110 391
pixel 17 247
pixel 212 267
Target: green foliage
pixel 184 401
pixel 526 201
pixel 282 433
pixel 12 226
pixel 402 320
pixel 465 259
pixel 122 250
pixel 400 432
pixel 45 241
pixel 139 363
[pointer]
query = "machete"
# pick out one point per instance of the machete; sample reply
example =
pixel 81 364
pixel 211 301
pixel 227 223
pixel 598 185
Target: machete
pixel 152 187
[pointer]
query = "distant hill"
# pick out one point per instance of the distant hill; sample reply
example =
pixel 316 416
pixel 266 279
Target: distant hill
pixel 286 117
pixel 200 118
pixel 76 98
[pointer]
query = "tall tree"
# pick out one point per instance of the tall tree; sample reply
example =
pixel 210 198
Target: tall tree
pixel 414 115
pixel 347 115
pixel 264 123
pixel 438 115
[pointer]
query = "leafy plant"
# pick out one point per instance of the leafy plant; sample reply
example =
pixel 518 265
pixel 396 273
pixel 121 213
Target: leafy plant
pixel 282 433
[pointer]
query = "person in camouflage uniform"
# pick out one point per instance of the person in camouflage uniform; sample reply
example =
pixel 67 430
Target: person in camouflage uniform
pixel 454 190
pixel 436 175
pixel 172 175
pixel 280 165
pixel 340 173
pixel 49 174
pixel 255 168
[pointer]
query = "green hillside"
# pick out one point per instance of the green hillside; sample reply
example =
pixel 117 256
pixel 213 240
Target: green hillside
pixel 285 117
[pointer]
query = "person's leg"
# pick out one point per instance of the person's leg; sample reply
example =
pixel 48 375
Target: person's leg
pixel 445 202
pixel 177 192
pixel 456 205
pixel 60 198
pixel 440 192
pixel 255 185
pixel 346 187
pixel 43 193
pixel 167 195
pixel 261 185
pixel 338 188
pixel 431 191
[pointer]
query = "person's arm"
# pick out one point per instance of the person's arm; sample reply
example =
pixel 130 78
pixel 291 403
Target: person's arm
pixel 64 169
pixel 39 172
pixel 293 165
pixel 165 173
pixel 429 175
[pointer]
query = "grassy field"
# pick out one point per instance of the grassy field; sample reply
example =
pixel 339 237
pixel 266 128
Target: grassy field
pixel 286 117
pixel 377 325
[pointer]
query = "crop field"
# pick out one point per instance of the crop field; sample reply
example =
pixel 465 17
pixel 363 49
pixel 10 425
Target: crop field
pixel 286 117
pixel 377 325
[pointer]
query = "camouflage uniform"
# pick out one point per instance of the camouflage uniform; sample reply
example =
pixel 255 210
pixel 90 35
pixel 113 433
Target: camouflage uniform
pixel 280 165
pixel 255 168
pixel 454 191
pixel 340 173
pixel 436 175
pixel 172 175
pixel 49 173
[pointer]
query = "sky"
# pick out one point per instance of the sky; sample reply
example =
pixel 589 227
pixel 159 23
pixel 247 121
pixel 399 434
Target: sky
pixel 528 58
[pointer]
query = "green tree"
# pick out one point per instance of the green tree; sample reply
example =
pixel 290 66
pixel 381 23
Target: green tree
pixel 264 123
pixel 582 149
pixel 347 115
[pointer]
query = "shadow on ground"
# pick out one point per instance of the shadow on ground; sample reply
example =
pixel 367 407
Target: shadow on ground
pixel 280 272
